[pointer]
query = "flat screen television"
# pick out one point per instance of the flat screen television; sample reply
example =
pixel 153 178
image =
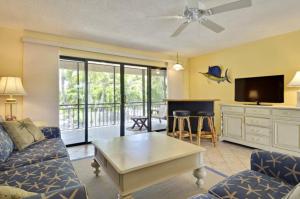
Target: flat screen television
pixel 268 89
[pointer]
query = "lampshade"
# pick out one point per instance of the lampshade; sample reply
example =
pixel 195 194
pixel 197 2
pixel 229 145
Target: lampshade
pixel 11 86
pixel 295 81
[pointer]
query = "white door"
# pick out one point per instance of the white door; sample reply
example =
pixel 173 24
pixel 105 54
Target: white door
pixel 233 126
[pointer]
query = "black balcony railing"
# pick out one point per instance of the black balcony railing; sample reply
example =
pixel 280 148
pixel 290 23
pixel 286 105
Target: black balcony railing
pixel 72 116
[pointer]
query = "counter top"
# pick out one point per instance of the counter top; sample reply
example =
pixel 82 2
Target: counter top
pixel 191 100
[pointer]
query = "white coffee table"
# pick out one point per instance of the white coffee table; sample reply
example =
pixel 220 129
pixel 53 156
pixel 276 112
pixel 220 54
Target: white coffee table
pixel 138 161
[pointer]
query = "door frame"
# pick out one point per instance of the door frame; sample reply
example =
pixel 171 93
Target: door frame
pixel 122 92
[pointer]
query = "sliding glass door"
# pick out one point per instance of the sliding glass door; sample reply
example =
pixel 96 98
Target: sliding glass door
pixel 72 101
pixel 135 97
pixel 102 100
pixel 158 99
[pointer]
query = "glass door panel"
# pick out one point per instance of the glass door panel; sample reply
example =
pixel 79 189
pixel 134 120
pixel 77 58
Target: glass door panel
pixel 158 99
pixel 71 101
pixel 103 100
pixel 135 91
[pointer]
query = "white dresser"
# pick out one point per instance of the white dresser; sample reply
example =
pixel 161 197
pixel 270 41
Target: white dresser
pixel 275 128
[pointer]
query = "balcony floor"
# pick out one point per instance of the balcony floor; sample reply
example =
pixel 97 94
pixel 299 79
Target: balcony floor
pixel 105 132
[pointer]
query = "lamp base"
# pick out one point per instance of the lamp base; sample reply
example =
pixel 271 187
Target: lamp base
pixel 11 99
pixel 298 98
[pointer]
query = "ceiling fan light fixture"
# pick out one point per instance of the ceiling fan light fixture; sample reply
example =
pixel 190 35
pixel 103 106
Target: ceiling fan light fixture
pixel 178 66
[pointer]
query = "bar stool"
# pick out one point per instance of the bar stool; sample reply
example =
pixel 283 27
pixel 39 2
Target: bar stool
pixel 181 116
pixel 210 119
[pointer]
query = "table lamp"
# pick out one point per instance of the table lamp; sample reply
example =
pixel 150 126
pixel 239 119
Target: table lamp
pixel 296 83
pixel 11 86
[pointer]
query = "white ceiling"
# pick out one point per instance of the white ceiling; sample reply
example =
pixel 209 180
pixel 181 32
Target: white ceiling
pixel 125 23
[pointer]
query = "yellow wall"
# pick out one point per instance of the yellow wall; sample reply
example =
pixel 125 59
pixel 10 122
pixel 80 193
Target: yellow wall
pixel 11 58
pixel 272 56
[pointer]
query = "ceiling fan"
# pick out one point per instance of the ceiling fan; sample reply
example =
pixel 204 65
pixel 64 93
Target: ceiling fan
pixel 197 12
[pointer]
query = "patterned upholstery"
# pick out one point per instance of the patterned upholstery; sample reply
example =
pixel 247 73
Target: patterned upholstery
pixel 6 145
pixel 71 192
pixel 51 132
pixel 42 177
pixel 285 167
pixel 272 175
pixel 250 184
pixel 42 151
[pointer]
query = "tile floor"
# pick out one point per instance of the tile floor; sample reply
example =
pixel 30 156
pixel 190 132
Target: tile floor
pixel 226 157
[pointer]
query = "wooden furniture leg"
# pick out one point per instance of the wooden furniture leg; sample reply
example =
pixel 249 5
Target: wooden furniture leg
pixel 96 166
pixel 200 173
pixel 199 129
pixel 174 126
pixel 190 129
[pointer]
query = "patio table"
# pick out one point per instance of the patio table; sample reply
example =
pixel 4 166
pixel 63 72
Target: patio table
pixel 139 121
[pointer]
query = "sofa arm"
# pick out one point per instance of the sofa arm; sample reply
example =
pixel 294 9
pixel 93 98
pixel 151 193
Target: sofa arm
pixel 51 132
pixel 203 196
pixel 283 166
pixel 76 192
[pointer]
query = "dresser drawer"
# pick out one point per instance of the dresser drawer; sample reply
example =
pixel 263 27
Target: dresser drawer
pixel 258 130
pixel 258 121
pixel 258 139
pixel 233 109
pixel 286 113
pixel 258 111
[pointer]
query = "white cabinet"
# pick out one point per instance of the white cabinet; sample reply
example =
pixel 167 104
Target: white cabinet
pixel 263 127
pixel 233 126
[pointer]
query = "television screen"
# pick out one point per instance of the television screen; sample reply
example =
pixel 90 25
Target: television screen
pixel 260 89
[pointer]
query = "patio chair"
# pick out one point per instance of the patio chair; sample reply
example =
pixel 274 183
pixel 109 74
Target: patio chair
pixel 160 113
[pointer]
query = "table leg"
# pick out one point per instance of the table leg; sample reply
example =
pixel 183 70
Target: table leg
pixel 96 166
pixel 200 173
pixel 128 196
pixel 143 124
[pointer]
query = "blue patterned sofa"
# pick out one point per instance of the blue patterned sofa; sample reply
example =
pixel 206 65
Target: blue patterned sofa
pixel 272 176
pixel 43 168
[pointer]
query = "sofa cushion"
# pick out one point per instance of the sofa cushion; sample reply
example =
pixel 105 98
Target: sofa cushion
pixel 23 132
pixel 8 192
pixel 250 184
pixel 42 151
pixel 42 177
pixel 6 145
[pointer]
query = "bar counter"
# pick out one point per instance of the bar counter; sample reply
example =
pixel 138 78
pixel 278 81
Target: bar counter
pixel 193 105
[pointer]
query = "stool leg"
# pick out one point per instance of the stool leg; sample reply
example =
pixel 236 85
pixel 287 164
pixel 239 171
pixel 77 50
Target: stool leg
pixel 174 126
pixel 180 128
pixel 199 129
pixel 190 129
pixel 212 129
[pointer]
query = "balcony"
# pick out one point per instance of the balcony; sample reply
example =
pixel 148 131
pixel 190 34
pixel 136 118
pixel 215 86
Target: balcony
pixel 104 120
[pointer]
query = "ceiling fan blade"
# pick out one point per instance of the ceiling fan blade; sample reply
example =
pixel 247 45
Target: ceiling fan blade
pixel 180 29
pixel 212 25
pixel 229 7
pixel 167 17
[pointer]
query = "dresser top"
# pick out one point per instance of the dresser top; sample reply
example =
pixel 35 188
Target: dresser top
pixel 262 106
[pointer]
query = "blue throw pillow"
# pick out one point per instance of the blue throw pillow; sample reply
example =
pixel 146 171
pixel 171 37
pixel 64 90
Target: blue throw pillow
pixel 6 145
